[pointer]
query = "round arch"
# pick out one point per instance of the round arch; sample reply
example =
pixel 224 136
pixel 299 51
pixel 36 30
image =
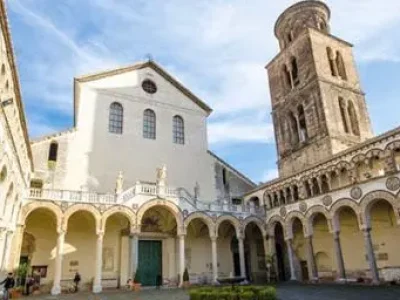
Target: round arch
pixel 371 198
pixel 202 216
pixel 310 215
pixel 289 222
pixel 231 219
pixel 82 207
pixel 168 205
pixel 271 223
pixel 338 206
pixel 120 209
pixel 257 221
pixel 32 206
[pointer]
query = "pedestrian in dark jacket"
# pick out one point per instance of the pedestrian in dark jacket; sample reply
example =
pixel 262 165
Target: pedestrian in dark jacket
pixel 9 283
pixel 77 279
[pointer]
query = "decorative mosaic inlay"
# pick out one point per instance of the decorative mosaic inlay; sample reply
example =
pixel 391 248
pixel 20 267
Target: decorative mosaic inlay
pixel 327 200
pixel 303 206
pixel 356 193
pixel 282 211
pixel 393 183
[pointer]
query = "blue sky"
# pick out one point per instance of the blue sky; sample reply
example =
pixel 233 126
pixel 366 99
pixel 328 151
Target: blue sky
pixel 217 48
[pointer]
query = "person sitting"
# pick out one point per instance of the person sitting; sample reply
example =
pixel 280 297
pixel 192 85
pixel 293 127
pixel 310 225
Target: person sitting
pixel 9 283
pixel 129 284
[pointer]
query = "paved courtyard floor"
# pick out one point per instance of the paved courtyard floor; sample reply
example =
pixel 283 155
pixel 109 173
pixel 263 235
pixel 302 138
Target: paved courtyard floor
pixel 285 292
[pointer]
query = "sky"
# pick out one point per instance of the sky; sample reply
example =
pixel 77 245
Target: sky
pixel 216 48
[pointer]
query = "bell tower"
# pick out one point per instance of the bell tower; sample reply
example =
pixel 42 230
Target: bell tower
pixel 318 107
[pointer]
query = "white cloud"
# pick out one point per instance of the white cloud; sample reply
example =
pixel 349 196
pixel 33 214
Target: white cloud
pixel 217 48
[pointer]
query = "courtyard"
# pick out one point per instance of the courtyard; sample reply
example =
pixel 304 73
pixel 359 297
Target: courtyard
pixel 285 292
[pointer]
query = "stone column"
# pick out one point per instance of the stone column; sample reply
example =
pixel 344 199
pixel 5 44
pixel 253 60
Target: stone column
pixel 272 251
pixel 181 258
pixel 312 266
pixel 6 253
pixel 56 289
pixel 133 247
pixel 371 256
pixel 214 258
pixel 97 288
pixel 291 261
pixel 17 244
pixel 339 256
pixel 241 257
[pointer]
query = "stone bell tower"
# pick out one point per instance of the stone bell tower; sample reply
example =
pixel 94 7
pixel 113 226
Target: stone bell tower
pixel 318 107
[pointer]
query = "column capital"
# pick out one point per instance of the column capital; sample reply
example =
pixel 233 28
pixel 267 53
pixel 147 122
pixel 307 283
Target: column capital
pixel 213 238
pixel 181 236
pixel 100 234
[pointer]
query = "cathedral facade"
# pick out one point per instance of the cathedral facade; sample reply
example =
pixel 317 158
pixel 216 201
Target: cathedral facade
pixel 132 188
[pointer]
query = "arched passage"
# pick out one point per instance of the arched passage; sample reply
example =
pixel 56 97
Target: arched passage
pixel 39 243
pixel 255 258
pixel 199 255
pixel 323 246
pixel 116 246
pixel 158 246
pixel 384 228
pixel 227 245
pixel 80 244
pixel 351 238
pixel 281 257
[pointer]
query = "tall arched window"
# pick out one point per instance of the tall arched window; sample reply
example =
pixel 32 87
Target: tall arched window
pixel 178 130
pixel 302 124
pixel 294 132
pixel 149 124
pixel 53 151
pixel 342 107
pixel 295 72
pixel 332 62
pixel 287 81
pixel 116 118
pixel 353 118
pixel 8 197
pixel 341 66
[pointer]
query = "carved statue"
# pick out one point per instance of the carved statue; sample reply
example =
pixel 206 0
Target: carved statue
pixel 119 183
pixel 162 175
pixel 197 190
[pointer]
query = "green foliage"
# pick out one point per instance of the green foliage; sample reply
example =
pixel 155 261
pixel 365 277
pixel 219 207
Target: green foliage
pixel 137 276
pixel 185 275
pixel 269 293
pixel 239 293
pixel 247 295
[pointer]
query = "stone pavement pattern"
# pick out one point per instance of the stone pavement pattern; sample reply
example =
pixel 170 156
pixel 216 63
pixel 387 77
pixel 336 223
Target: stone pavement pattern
pixel 285 292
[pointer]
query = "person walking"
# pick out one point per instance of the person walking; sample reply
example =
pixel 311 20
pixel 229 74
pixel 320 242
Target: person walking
pixel 77 279
pixel 9 283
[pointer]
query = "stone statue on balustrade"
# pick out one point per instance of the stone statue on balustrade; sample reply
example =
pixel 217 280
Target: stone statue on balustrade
pixel 119 183
pixel 162 175
pixel 196 191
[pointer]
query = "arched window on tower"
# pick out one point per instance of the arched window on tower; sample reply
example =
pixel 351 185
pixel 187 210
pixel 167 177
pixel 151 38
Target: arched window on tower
pixel 353 118
pixel 149 124
pixel 341 66
pixel 287 81
pixel 332 62
pixel 178 130
pixel 295 71
pixel 293 129
pixel 53 152
pixel 116 118
pixel 302 124
pixel 342 107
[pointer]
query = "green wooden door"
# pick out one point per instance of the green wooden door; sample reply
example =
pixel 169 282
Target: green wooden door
pixel 150 262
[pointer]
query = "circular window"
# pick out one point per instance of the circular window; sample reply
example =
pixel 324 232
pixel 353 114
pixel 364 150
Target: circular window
pixel 149 86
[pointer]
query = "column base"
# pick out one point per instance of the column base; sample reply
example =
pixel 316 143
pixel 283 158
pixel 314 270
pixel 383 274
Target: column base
pixel 97 289
pixel 341 280
pixel 215 282
pixel 56 290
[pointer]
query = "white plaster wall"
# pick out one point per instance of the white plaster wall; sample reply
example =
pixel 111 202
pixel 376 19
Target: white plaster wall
pixel 95 153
